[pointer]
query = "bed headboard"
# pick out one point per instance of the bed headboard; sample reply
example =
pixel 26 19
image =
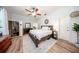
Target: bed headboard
pixel 49 26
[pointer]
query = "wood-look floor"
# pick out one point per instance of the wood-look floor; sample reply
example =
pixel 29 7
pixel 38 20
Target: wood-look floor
pixel 62 46
pixel 16 46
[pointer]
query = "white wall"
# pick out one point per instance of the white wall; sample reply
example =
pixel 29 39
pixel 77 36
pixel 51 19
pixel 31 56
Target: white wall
pixel 3 18
pixel 62 13
pixel 24 19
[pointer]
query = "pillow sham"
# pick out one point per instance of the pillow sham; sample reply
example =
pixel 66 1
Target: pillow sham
pixel 46 28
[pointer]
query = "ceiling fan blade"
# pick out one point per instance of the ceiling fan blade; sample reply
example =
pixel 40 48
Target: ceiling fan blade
pixel 27 10
pixel 38 14
pixel 35 16
pixel 45 14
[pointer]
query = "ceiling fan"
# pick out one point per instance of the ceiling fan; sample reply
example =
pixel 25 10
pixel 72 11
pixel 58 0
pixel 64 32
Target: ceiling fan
pixel 34 12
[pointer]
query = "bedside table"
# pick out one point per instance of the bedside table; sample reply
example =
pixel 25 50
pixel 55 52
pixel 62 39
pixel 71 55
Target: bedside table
pixel 26 30
pixel 55 35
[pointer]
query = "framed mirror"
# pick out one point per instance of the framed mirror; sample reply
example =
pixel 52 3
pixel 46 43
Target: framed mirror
pixel 46 21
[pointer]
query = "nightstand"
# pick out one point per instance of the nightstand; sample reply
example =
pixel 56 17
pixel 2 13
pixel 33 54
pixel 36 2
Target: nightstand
pixel 55 35
pixel 26 30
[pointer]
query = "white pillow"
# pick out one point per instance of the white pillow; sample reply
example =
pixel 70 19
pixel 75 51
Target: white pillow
pixel 46 28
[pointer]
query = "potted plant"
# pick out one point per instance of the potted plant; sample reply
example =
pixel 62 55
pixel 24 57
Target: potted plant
pixel 76 28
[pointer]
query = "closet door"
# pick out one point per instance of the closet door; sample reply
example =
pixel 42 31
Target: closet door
pixel 65 28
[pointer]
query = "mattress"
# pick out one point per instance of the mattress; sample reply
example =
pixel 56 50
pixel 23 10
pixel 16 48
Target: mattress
pixel 40 33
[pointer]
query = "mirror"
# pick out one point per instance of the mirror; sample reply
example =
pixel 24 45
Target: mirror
pixel 46 21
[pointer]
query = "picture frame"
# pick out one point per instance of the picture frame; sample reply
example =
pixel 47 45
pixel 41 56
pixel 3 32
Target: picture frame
pixel 27 25
pixel 46 21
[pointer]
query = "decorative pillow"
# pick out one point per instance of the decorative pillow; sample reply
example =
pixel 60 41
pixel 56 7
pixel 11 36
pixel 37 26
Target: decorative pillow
pixel 46 28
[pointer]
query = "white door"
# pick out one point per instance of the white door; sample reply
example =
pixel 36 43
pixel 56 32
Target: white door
pixel 64 28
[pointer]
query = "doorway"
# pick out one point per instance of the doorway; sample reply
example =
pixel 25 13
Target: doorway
pixel 13 28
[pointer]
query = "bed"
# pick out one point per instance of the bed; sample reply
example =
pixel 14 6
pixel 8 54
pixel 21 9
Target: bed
pixel 39 35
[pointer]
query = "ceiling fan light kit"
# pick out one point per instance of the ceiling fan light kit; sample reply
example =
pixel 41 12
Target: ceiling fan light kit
pixel 33 13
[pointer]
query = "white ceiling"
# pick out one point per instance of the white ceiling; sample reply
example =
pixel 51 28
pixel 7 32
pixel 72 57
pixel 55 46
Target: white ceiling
pixel 21 9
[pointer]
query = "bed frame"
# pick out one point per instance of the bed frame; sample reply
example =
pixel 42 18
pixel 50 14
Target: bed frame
pixel 36 40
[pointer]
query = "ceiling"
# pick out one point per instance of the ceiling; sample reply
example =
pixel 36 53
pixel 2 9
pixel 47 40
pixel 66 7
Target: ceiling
pixel 21 9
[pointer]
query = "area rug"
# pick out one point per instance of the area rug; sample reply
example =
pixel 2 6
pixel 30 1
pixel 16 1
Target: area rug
pixel 29 46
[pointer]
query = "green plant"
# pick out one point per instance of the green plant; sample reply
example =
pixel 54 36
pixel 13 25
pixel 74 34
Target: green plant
pixel 76 28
